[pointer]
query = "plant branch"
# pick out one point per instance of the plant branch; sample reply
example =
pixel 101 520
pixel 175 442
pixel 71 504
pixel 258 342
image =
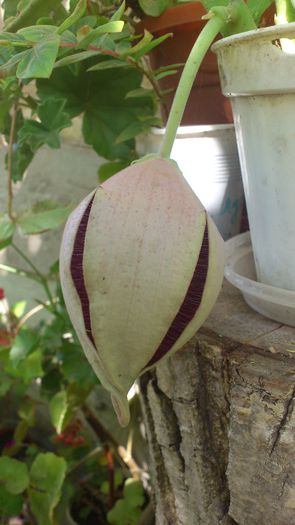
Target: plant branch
pixel 43 280
pixel 20 272
pixel 10 163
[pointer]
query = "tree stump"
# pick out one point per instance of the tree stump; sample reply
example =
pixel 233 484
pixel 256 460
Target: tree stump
pixel 221 425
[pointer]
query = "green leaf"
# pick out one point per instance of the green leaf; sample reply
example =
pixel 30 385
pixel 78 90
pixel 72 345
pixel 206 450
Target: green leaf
pixel 112 63
pixel 146 39
pixel 109 169
pixel 22 156
pixel 154 7
pixel 77 57
pixel 75 366
pixel 58 406
pixel 9 67
pixel 120 12
pixel 5 384
pixel 39 221
pixel 7 230
pixel 74 17
pixel 13 475
pixel 150 45
pixel 10 504
pixel 46 479
pixel 53 118
pixel 258 7
pixel 30 13
pixel 38 62
pixel 127 511
pixel 37 33
pixel 140 92
pixel 25 342
pixel 19 308
pixel 30 368
pixel 109 27
pixel 134 492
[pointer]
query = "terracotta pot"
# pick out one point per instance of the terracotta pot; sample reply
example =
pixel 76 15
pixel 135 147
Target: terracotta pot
pixel 206 104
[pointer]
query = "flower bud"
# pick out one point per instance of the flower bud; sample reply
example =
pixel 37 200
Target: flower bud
pixel 141 268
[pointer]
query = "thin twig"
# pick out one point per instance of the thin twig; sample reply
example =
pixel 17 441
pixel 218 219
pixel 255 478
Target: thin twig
pixel 10 161
pixel 27 316
pixel 43 280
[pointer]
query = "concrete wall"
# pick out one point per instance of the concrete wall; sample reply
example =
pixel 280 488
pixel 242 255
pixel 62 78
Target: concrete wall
pixel 65 175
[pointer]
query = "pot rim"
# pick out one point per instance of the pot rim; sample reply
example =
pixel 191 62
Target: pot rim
pixel 262 34
pixel 192 131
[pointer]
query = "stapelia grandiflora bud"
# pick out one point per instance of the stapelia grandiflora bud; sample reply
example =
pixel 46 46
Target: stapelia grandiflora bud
pixel 141 268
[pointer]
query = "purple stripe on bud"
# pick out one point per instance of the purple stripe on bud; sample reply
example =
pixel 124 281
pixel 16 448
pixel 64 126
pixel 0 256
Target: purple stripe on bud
pixel 190 303
pixel 77 270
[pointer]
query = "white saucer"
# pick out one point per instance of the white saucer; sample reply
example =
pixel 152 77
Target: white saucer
pixel 276 303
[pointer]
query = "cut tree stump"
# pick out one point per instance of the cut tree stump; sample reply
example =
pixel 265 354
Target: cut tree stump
pixel 220 422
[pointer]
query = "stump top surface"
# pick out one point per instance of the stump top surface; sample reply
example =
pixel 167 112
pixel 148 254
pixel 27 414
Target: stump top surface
pixel 234 319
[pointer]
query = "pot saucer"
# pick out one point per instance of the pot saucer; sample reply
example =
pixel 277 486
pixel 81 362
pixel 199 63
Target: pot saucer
pixel 275 303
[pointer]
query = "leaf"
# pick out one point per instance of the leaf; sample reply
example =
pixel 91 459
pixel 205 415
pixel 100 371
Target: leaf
pixel 109 27
pixel 134 492
pixel 150 45
pixel 37 33
pixel 22 156
pixel 53 118
pixel 36 222
pixel 10 504
pixel 166 74
pixel 58 406
pixel 154 7
pixel 25 342
pixel 140 92
pixel 46 479
pixel 109 169
pixel 127 511
pixel 38 62
pixel 13 475
pixel 7 230
pixel 146 39
pixel 5 384
pixel 74 17
pixel 77 57
pixel 9 67
pixel 75 366
pixel 112 63
pixel 120 12
pixel 30 13
pixel 29 368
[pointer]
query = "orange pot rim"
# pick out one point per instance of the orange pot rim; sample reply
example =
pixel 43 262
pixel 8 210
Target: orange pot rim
pixel 178 15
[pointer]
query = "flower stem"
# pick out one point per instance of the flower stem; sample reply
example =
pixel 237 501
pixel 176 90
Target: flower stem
pixel 200 48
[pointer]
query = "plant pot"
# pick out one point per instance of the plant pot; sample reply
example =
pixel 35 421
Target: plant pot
pixel 259 77
pixel 208 159
pixel 206 105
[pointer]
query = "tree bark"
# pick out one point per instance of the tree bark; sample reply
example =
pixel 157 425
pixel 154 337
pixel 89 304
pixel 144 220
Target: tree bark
pixel 221 425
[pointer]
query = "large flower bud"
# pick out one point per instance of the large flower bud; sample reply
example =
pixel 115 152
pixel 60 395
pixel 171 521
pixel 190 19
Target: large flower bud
pixel 141 268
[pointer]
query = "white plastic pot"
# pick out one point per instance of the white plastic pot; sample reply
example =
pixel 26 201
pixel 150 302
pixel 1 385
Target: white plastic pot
pixel 208 158
pixel 260 79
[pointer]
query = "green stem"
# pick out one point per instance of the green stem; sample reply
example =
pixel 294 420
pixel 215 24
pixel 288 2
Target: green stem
pixel 43 280
pixel 200 48
pixel 20 272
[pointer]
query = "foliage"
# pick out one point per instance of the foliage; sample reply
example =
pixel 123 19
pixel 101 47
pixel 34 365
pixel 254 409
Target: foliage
pixel 65 471
pixel 57 462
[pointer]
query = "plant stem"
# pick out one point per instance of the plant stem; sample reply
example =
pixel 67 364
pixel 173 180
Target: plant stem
pixel 9 163
pixel 200 48
pixel 19 271
pixel 43 280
